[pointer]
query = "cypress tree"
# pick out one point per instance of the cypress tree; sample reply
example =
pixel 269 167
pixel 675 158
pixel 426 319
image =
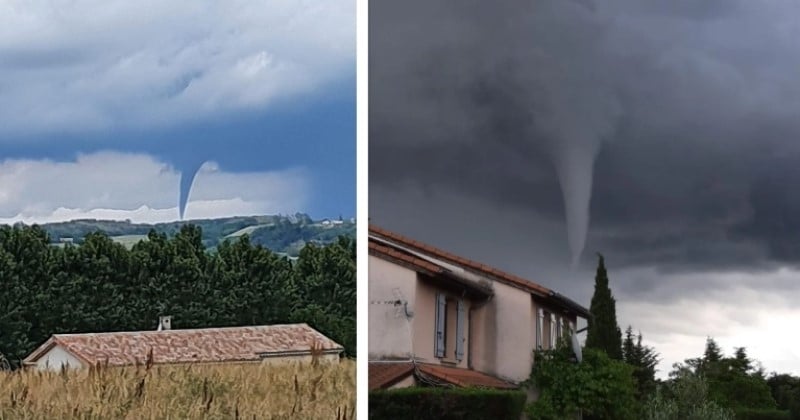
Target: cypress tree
pixel 604 333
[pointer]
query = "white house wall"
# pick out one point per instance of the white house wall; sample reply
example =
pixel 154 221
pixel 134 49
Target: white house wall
pixel 389 329
pixel 55 358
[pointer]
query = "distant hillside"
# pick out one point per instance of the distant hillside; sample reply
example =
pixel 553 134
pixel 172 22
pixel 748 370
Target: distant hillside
pixel 281 234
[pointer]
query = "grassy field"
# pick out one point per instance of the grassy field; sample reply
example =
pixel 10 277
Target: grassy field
pixel 250 391
pixel 128 241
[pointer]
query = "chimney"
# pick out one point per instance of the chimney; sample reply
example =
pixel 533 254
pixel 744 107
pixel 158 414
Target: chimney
pixel 164 323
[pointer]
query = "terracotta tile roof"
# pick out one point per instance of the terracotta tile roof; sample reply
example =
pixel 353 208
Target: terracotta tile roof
pixel 464 377
pixel 416 263
pixel 386 374
pixel 512 279
pixel 207 345
pixel 499 275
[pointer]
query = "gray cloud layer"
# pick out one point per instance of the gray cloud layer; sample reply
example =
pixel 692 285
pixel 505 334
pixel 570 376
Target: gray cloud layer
pixel 693 106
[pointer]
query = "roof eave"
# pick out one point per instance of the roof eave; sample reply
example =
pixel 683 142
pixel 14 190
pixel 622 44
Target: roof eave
pixel 570 304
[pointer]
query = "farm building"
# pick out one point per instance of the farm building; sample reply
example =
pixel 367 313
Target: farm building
pixel 254 344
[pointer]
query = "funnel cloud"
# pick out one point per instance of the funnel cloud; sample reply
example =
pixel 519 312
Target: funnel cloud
pixel 187 179
pixel 661 134
pixel 575 165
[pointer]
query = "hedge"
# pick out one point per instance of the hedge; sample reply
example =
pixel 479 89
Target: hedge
pixel 422 403
pixel 761 414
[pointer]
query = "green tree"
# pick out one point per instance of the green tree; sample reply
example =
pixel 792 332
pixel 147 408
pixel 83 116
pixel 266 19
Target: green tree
pixel 328 289
pixel 684 397
pixel 785 389
pixel 604 333
pixel 712 354
pixel 732 382
pixel 643 359
pixel 100 286
pixel 598 387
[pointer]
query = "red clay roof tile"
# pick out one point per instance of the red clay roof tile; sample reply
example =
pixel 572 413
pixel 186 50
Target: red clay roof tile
pixel 192 345
pixel 416 263
pixel 385 374
pixel 500 275
pixel 464 377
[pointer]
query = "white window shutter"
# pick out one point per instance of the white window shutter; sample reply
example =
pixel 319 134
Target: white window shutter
pixel 441 308
pixel 559 328
pixel 460 339
pixel 539 328
pixel 552 330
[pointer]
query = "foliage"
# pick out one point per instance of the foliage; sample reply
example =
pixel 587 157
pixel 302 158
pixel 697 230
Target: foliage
pixel 423 403
pixel 599 386
pixel 282 234
pixel 604 333
pixel 100 285
pixel 733 382
pixel 762 414
pixel 246 391
pixel 785 389
pixel 643 359
pixel 684 397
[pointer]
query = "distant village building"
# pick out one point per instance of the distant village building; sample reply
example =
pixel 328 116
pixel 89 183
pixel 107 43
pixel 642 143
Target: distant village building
pixel 255 344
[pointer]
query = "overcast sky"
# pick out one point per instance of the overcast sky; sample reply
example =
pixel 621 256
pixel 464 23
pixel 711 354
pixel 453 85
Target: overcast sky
pixel 104 104
pixel 678 118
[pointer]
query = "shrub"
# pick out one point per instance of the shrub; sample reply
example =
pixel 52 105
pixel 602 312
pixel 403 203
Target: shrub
pixel 597 387
pixel 421 403
pixel 761 414
pixel 685 397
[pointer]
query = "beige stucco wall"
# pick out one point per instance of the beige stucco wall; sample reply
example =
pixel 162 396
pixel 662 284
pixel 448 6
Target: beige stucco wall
pixel 389 329
pixel 55 358
pixel 506 334
pixel 501 334
pixel 425 326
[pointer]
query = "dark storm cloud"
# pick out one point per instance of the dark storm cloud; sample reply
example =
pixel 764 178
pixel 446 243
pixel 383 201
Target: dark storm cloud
pixel 694 106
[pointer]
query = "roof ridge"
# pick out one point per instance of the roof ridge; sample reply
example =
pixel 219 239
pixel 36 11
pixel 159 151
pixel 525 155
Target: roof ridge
pixel 184 330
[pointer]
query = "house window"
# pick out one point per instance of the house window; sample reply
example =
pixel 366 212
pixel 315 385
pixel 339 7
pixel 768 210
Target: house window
pixel 450 328
pixel 550 328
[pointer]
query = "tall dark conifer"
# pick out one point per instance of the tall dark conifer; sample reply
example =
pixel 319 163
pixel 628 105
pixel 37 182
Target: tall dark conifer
pixel 604 333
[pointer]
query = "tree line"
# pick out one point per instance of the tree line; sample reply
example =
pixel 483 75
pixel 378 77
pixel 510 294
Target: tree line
pixel 101 286
pixel 617 378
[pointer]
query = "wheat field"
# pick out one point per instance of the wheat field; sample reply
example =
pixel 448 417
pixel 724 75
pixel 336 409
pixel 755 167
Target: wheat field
pixel 241 391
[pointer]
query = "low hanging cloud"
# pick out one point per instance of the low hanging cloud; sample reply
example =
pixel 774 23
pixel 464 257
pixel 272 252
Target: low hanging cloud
pixel 102 65
pixel 111 185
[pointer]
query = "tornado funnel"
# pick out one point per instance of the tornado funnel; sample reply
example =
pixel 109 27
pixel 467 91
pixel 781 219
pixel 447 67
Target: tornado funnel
pixel 575 167
pixel 188 175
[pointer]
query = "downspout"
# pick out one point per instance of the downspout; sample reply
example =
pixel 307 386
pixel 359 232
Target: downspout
pixel 469 330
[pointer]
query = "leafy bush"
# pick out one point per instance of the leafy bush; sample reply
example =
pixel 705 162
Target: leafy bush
pixel 598 387
pixel 685 397
pixel 418 403
pixel 762 414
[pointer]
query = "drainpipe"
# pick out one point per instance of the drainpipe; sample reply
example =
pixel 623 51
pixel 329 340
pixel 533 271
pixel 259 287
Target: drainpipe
pixel 469 331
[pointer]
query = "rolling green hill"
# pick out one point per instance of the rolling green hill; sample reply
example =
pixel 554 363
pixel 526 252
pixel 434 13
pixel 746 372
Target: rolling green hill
pixel 281 234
